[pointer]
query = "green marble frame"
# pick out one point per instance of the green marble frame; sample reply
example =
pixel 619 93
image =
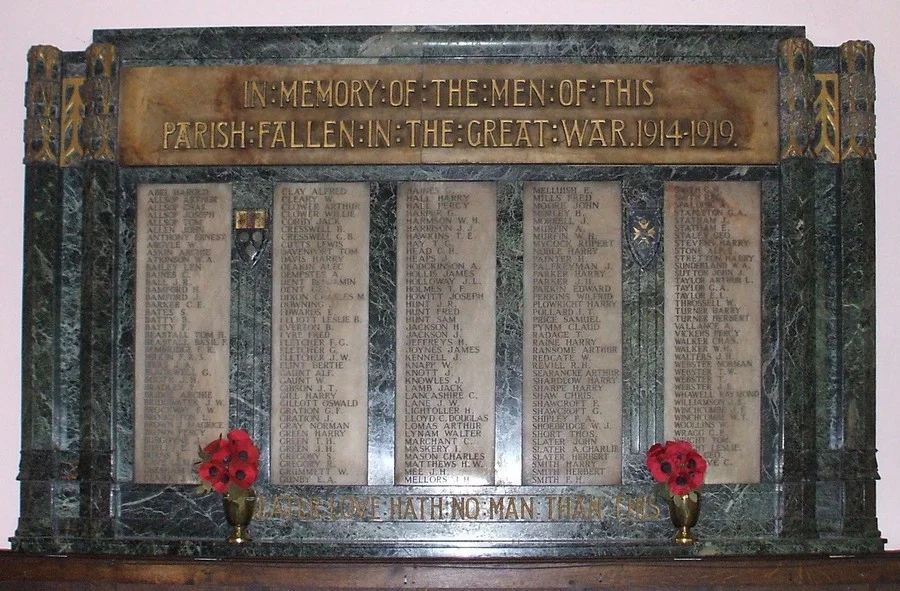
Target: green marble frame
pixel 817 489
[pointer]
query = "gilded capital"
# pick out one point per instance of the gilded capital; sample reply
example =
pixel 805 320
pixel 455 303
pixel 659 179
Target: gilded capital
pixel 796 89
pixel 99 95
pixel 858 100
pixel 42 105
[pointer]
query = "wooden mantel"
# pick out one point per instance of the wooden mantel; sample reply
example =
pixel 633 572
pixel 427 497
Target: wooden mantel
pixel 21 572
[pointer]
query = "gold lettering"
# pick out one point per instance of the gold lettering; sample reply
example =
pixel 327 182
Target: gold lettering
pixel 262 130
pixel 623 87
pixel 295 143
pixel 370 88
pixel 454 93
pixel 522 138
pixel 401 91
pixel 200 131
pixel 345 133
pixel 323 92
pixel 618 126
pixel 279 139
pixel 500 94
pixel 413 125
pixel 647 88
pixel 289 94
pixel 379 134
pixel 518 91
pixel 538 93
pixel 654 512
pixel 238 133
pixel 182 140
pixel 221 134
pixel 255 94
pixel 168 130
pixel 309 139
pixel 328 134
pixel 461 508
pixel 437 93
pixel 649 131
pixel 355 93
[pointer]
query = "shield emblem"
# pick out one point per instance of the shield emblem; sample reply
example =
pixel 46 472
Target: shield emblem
pixel 644 231
pixel 250 234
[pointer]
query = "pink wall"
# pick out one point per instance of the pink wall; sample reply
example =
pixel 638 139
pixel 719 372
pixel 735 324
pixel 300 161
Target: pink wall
pixel 68 25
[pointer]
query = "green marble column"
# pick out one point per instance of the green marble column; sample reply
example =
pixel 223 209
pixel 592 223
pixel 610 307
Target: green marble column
pixel 40 466
pixel 857 347
pixel 98 292
pixel 829 420
pixel 797 312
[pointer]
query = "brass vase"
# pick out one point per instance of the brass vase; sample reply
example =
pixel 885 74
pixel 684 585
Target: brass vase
pixel 239 513
pixel 684 514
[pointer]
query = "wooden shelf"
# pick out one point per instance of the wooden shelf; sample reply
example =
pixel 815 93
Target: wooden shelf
pixel 22 572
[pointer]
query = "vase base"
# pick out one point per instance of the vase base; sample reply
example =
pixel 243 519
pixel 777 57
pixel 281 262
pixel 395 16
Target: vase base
pixel 240 535
pixel 684 536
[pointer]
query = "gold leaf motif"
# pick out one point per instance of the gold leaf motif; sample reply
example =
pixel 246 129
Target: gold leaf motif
pixel 828 118
pixel 72 119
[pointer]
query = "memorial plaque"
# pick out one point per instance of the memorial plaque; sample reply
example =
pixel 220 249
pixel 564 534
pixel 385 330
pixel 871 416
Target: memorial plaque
pixel 446 275
pixel 572 400
pixel 712 262
pixel 473 274
pixel 182 288
pixel 320 344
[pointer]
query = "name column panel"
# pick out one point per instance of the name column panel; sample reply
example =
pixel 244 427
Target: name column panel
pixel 446 289
pixel 181 326
pixel 712 270
pixel 572 403
pixel 320 333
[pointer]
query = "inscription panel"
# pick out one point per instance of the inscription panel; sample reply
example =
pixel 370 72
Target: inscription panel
pixel 182 307
pixel 449 113
pixel 446 286
pixel 572 400
pixel 320 327
pixel 712 273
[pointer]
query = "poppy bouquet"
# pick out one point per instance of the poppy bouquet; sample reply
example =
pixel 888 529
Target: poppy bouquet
pixel 678 466
pixel 229 465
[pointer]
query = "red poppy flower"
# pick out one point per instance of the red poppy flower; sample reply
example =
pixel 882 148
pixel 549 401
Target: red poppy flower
pixel 221 455
pixel 695 479
pixel 229 462
pixel 677 464
pixel 660 467
pixel 214 446
pixel 696 463
pixel 212 471
pixel 236 435
pixel 244 451
pixel 221 485
pixel 677 451
pixel 680 482
pixel 243 474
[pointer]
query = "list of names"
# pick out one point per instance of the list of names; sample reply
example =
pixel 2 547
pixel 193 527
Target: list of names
pixel 712 272
pixel 572 403
pixel 320 327
pixel 182 315
pixel 446 287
